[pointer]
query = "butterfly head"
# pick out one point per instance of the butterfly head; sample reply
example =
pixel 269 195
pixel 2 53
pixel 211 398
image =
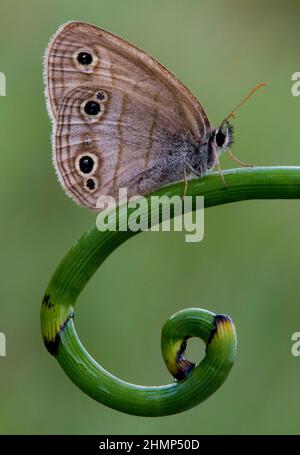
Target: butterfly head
pixel 222 137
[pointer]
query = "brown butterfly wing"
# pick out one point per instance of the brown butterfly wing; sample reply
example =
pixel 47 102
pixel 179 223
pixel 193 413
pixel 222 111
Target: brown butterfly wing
pixel 144 113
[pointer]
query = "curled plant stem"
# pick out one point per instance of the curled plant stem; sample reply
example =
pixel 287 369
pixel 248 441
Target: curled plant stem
pixel 193 384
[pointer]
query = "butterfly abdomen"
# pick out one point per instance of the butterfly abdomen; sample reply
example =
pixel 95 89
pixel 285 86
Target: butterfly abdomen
pixel 181 154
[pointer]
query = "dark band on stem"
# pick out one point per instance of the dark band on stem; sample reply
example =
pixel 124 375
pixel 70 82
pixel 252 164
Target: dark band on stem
pixel 184 366
pixel 47 302
pixel 53 345
pixel 219 319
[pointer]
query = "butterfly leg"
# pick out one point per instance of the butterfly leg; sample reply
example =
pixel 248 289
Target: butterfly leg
pixel 186 183
pixel 234 158
pixel 217 163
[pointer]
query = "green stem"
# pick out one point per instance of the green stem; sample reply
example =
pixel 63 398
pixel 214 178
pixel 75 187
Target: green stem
pixel 194 383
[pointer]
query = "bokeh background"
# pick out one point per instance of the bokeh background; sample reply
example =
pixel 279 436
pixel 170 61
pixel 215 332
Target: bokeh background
pixel 247 266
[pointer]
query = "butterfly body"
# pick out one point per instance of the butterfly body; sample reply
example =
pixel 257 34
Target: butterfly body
pixel 120 119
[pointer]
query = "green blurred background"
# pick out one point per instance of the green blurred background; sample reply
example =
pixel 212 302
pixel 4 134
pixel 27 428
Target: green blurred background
pixel 247 266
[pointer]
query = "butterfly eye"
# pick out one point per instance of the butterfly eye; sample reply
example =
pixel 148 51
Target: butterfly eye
pixel 92 108
pixel 84 58
pixel 220 138
pixel 91 184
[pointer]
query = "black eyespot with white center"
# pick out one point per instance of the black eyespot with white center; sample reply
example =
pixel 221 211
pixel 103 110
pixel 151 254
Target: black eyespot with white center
pixel 86 164
pixel 91 184
pixel 101 96
pixel 84 58
pixel 92 108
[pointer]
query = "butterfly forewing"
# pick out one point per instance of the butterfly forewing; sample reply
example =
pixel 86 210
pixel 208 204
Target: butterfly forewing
pixel 119 117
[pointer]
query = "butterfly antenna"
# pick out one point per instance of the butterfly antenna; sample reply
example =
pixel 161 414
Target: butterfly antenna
pixel 232 113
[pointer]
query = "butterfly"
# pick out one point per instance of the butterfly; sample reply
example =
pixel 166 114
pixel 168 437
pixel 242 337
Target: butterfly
pixel 120 119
